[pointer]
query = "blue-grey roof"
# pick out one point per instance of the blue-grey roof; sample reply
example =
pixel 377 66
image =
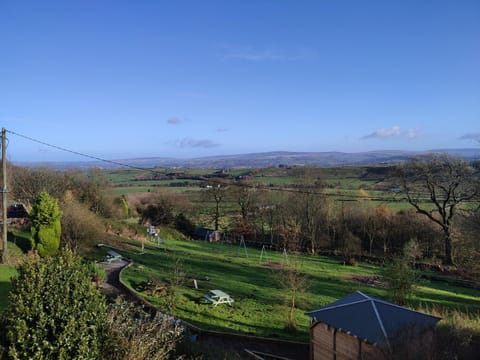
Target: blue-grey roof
pixel 370 318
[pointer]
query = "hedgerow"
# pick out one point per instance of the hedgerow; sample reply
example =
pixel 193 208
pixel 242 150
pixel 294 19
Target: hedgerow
pixel 55 311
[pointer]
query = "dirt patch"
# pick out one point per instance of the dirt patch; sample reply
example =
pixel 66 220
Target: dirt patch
pixel 369 280
pixel 273 265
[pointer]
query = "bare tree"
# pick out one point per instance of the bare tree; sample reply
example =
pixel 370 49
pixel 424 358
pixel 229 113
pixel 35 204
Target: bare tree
pixel 308 206
pixel 28 183
pixel 176 279
pixel 374 225
pixel 216 192
pixel 244 195
pixel 289 230
pixel 268 209
pixel 436 187
pixel 294 283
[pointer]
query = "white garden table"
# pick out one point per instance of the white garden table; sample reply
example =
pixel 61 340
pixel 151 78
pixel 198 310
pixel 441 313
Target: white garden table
pixel 218 297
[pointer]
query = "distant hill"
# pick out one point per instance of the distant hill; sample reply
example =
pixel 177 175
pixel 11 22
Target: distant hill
pixel 266 159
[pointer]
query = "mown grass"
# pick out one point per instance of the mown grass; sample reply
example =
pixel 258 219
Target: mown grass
pixel 259 302
pixel 17 245
pixel 6 273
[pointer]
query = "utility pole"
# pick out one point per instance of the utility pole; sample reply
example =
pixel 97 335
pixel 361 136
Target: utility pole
pixel 4 196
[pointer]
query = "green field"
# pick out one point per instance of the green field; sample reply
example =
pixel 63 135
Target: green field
pixel 341 185
pixel 259 307
pixel 341 178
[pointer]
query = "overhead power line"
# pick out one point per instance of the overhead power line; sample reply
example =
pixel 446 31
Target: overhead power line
pixel 75 152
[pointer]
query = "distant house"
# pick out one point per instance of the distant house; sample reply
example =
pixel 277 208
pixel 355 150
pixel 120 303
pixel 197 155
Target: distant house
pixel 359 326
pixel 17 211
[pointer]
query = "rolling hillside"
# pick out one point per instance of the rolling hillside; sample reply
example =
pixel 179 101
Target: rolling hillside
pixel 267 159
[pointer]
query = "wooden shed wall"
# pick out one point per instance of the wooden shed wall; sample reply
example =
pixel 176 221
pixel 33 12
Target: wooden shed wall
pixel 328 343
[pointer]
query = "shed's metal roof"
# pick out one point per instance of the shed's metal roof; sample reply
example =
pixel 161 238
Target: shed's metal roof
pixel 370 318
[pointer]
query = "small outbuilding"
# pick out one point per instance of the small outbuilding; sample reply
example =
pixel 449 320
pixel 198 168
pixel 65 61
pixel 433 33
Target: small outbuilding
pixel 359 326
pixel 17 211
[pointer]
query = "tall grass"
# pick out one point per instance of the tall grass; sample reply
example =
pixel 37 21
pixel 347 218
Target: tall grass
pixel 457 335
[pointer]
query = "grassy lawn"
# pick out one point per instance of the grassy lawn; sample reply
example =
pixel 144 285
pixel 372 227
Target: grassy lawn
pixel 6 273
pixel 18 243
pixel 259 302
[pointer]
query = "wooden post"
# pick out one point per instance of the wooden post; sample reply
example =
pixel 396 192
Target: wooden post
pixel 334 344
pixel 4 196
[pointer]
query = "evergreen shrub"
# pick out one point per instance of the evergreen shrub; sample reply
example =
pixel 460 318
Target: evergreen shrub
pixel 55 311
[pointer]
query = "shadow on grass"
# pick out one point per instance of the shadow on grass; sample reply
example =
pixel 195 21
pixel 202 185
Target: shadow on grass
pixel 4 290
pixel 21 240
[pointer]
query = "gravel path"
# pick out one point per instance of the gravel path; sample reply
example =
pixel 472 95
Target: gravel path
pixel 111 287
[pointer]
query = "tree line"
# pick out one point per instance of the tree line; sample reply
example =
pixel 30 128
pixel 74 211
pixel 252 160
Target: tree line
pixel 443 217
pixel 443 194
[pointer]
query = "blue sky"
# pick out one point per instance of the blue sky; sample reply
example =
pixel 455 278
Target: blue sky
pixel 122 79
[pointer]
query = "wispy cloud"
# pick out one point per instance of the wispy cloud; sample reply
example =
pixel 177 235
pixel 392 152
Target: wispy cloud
pixel 174 120
pixel 196 143
pixel 221 130
pixel 471 136
pixel 394 131
pixel 410 134
pixel 254 55
pixel 260 55
pixel 193 94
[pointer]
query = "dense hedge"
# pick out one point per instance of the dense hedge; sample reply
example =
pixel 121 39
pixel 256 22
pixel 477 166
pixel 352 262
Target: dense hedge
pixel 55 311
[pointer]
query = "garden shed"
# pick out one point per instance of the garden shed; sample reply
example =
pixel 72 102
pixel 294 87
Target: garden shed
pixel 359 326
pixel 17 211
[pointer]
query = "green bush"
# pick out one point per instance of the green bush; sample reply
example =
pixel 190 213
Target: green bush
pixel 400 278
pixel 97 272
pixel 81 228
pixel 184 225
pixel 124 206
pixel 55 311
pixel 46 228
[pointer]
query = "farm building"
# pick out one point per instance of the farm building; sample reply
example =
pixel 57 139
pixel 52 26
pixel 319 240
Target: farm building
pixel 359 326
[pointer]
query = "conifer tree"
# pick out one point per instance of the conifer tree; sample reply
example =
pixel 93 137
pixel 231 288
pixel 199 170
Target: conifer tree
pixel 46 229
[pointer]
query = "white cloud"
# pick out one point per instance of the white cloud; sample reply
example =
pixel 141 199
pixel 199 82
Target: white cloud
pixel 394 131
pixel 410 134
